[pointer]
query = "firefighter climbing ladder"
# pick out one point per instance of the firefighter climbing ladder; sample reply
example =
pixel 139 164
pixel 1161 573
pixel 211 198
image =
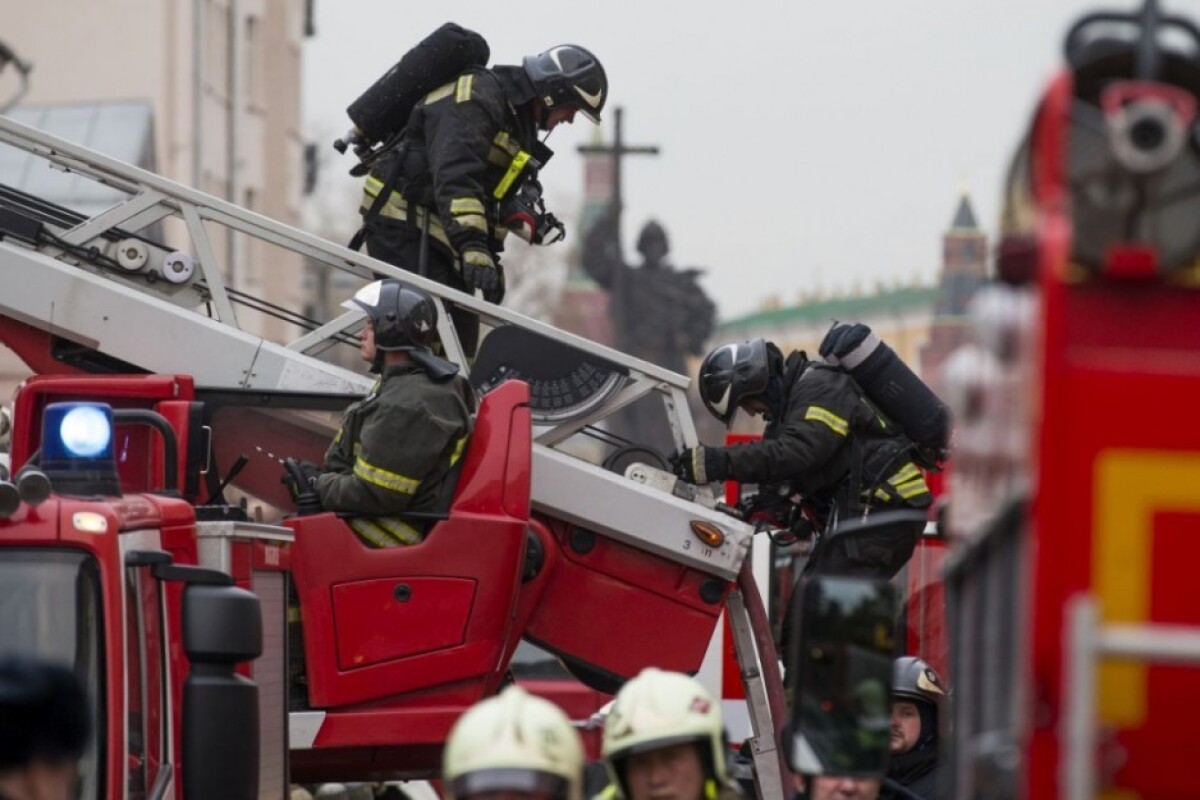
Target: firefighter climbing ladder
pixel 96 282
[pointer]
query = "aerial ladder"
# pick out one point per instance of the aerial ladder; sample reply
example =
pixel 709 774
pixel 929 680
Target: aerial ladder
pixel 99 293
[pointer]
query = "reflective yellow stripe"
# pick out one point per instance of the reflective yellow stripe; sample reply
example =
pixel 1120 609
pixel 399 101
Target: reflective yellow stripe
pixel 905 473
pixel 396 208
pixel 369 532
pixel 459 446
pixel 499 157
pixel 381 477
pixel 506 143
pixel 373 186
pixel 439 93
pixel 466 205
pixel 912 488
pixel 385 531
pixel 514 169
pixel 463 92
pixel 476 221
pixel 400 530
pixel 835 423
pixel 478 258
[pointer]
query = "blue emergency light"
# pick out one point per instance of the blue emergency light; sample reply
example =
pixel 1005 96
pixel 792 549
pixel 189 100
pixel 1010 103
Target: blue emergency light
pixel 77 448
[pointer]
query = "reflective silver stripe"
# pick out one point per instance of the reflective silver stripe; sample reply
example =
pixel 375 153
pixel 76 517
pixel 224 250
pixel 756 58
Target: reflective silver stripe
pixel 859 354
pixel 440 93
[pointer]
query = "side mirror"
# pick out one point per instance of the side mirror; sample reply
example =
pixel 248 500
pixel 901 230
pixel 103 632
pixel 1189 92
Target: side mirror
pixel 222 626
pixel 842 668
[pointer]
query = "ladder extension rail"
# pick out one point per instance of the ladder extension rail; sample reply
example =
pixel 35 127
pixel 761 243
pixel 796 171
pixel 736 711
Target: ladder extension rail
pixel 153 198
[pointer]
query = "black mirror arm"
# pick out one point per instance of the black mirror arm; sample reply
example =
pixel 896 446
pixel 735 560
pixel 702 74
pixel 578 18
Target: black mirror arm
pixel 900 790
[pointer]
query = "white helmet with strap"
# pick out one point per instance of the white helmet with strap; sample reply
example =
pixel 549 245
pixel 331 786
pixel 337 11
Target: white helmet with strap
pixel 660 709
pixel 514 742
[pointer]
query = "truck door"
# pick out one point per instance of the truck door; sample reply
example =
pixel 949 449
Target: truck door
pixel 147 710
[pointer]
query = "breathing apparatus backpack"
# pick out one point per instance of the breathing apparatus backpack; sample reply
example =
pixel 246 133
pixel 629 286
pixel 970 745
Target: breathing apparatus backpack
pixel 382 111
pixel 892 387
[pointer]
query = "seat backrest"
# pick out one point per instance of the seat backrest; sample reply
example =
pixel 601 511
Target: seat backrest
pixel 500 445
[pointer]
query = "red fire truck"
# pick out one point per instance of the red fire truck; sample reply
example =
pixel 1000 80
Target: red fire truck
pixel 1075 486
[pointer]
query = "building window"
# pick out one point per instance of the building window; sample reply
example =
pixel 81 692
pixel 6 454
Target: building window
pixel 252 57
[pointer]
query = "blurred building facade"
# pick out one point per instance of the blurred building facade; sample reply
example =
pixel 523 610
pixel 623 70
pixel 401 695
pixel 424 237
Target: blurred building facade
pixel 217 83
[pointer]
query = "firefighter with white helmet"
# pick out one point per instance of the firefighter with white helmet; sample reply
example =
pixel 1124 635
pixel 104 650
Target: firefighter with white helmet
pixel 664 738
pixel 398 448
pixel 513 745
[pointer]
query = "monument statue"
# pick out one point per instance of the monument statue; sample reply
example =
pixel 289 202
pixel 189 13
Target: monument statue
pixel 659 313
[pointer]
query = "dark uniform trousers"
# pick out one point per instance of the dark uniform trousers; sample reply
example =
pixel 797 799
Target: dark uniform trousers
pixel 399 243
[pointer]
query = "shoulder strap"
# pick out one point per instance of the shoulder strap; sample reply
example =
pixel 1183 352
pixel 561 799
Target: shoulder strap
pixel 371 217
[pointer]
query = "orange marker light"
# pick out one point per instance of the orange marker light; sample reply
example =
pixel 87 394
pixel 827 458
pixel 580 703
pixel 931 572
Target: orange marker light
pixel 708 533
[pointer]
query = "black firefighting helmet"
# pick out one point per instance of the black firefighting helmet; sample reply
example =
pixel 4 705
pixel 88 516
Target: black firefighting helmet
pixel 568 75
pixel 913 679
pixel 733 373
pixel 404 318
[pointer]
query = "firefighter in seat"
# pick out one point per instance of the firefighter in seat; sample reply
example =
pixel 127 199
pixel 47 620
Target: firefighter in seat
pixel 515 746
pixel 398 448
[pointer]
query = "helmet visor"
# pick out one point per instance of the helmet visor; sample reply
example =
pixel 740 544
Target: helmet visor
pixel 514 780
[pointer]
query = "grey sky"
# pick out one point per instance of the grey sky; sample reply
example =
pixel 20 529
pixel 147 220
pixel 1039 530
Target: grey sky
pixel 804 145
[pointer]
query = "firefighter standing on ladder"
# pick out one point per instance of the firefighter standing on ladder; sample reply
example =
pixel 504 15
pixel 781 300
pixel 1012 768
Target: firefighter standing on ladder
pixel 466 166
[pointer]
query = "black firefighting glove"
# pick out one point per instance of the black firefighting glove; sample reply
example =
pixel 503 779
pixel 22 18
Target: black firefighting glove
pixel 700 465
pixel 300 478
pixel 480 273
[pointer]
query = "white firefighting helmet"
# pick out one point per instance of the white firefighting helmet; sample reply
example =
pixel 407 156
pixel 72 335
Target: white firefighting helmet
pixel 404 317
pixel 514 742
pixel 660 709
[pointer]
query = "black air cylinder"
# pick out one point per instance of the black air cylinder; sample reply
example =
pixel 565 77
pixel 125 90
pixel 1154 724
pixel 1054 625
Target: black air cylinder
pixel 441 56
pixel 889 383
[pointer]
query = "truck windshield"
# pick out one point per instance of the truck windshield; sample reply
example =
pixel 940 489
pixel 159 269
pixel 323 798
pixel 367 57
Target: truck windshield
pixel 50 607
